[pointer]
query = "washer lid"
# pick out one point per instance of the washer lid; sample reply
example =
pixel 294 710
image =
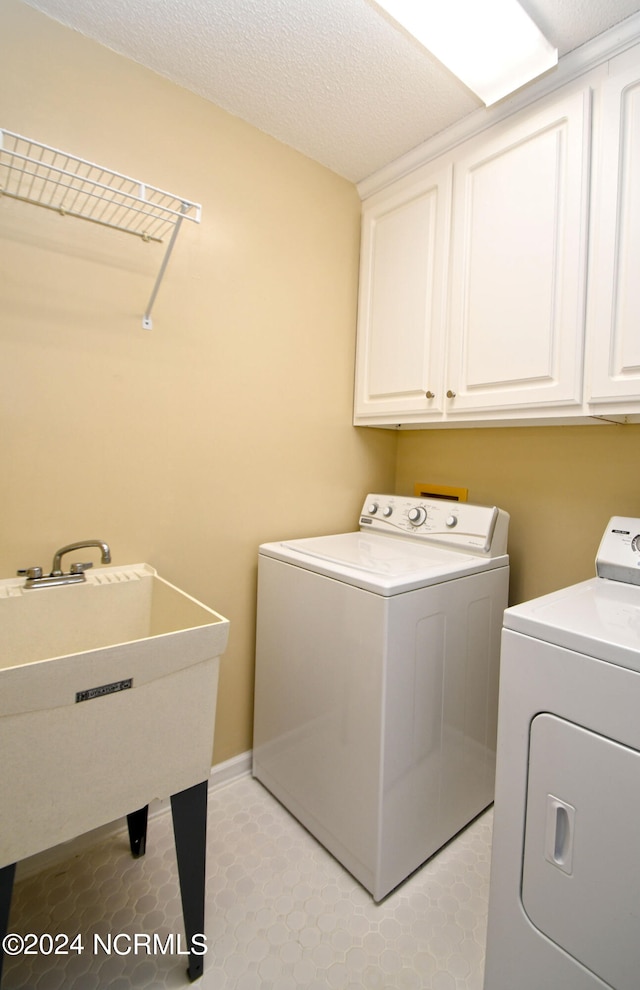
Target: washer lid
pixel 386 565
pixel 599 618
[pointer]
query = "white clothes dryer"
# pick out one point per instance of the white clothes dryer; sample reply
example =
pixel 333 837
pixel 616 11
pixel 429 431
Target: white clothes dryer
pixel 564 903
pixel 376 680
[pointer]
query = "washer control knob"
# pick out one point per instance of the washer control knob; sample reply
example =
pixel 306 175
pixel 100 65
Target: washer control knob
pixel 387 511
pixel 451 521
pixel 417 516
pixel 372 508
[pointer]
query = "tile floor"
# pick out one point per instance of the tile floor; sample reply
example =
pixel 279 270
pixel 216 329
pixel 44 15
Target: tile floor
pixel 281 913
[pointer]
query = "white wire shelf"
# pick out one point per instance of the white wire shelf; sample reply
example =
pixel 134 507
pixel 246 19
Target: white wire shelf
pixel 44 176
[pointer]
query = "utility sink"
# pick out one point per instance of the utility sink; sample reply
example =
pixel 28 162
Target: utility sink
pixel 107 701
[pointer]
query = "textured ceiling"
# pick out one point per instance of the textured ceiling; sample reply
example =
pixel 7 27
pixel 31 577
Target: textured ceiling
pixel 334 79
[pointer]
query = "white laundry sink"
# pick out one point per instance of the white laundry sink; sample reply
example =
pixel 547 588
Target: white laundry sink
pixel 107 701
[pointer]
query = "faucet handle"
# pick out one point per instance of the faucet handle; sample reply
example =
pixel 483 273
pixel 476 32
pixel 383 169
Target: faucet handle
pixel 30 572
pixel 79 568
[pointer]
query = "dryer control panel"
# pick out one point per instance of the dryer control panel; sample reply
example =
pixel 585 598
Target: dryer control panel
pixel 618 555
pixel 477 529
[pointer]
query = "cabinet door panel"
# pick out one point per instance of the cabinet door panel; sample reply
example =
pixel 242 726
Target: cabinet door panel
pixel 402 294
pixel 614 334
pixel 517 313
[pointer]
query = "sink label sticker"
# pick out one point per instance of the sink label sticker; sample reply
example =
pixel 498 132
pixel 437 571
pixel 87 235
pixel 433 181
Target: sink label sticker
pixel 99 692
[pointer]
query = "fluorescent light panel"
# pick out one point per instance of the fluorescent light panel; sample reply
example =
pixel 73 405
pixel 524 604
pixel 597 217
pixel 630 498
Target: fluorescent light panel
pixel 493 46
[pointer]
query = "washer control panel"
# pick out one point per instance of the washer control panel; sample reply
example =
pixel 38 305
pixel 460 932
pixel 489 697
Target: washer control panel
pixel 475 529
pixel 618 555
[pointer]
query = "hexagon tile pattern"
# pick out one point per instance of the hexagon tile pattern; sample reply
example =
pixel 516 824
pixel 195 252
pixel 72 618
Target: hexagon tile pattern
pixel 281 913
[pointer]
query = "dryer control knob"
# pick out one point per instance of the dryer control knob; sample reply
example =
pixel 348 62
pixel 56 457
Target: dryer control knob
pixel 372 508
pixel 451 521
pixel 417 516
pixel 387 511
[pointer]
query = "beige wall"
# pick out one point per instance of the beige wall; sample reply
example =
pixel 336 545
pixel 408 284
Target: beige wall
pixel 559 484
pixel 226 425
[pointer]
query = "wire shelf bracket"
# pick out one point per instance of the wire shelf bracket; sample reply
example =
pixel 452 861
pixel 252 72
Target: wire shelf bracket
pixel 44 176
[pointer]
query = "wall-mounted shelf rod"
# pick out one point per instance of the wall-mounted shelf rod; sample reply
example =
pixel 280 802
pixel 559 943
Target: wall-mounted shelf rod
pixel 36 173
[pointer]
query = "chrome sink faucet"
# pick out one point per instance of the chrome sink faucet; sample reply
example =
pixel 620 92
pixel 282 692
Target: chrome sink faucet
pixel 57 558
pixel 36 579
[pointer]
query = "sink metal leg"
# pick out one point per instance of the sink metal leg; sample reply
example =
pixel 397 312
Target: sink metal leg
pixel 137 824
pixel 7 874
pixel 189 811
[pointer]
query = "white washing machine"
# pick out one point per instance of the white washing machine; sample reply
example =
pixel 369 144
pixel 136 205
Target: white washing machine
pixel 376 680
pixel 564 904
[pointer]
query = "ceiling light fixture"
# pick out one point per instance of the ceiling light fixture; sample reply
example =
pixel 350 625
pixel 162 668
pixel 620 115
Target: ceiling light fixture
pixel 493 46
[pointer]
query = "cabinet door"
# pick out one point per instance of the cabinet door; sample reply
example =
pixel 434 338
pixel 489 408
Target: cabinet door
pixel 403 278
pixel 615 263
pixel 519 263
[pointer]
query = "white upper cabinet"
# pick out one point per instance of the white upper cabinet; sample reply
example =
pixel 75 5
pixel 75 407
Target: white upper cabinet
pixel 614 314
pixel 472 278
pixel 402 301
pixel 500 282
pixel 516 326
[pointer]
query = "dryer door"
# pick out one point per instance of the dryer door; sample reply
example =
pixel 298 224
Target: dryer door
pixel 581 869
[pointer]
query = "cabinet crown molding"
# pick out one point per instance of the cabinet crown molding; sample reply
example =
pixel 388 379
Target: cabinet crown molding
pixel 572 66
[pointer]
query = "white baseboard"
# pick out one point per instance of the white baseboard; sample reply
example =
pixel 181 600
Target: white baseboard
pixel 230 770
pixel 221 775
